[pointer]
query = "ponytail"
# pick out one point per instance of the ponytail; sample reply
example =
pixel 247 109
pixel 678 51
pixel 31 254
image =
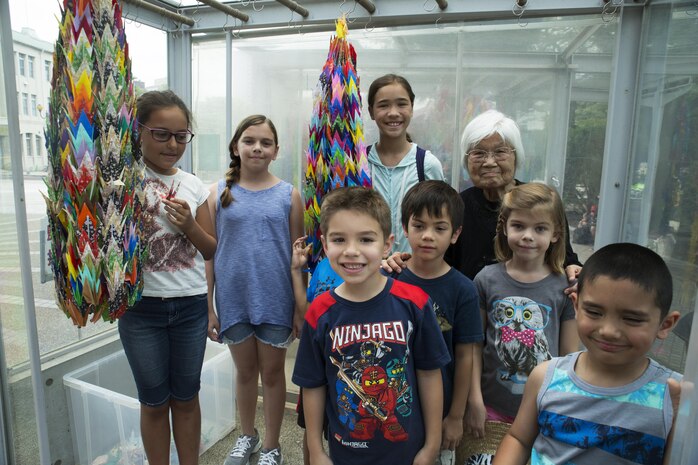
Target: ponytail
pixel 232 176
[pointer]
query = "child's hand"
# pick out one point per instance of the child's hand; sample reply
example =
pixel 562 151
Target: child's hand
pixel 572 271
pixel 396 262
pixel 214 327
pixel 179 214
pixel 298 319
pixel 451 432
pixel 299 258
pixel 475 415
pixel 321 459
pixel 425 456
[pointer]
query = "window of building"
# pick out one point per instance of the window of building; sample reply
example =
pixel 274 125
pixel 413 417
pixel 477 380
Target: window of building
pixel 21 60
pixel 30 144
pixel 39 144
pixel 33 105
pixel 25 103
pixel 30 68
pixel 47 70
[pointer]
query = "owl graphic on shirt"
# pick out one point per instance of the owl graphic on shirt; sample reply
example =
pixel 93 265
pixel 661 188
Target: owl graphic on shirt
pixel 520 339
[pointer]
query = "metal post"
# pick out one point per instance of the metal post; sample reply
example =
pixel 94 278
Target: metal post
pixel 22 239
pixel 457 160
pixel 226 9
pixel 295 7
pixel 162 11
pixel 556 152
pixel 228 86
pixel 179 76
pixel 619 127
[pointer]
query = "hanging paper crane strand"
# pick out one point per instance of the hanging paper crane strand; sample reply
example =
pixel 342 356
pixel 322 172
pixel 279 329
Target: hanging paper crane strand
pixel 95 181
pixel 336 155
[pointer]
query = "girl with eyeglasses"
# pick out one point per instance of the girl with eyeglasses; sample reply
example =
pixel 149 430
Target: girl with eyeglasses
pixel 164 334
pixel 527 317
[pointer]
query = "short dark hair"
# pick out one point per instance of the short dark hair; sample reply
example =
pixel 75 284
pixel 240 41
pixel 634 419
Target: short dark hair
pixel 433 196
pixel 358 199
pixel 635 263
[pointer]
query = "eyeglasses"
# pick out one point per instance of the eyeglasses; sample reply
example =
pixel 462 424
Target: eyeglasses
pixel 163 135
pixel 499 154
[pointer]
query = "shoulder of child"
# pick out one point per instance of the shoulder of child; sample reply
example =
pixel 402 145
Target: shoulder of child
pixel 409 292
pixel 537 375
pixel 486 272
pixel 318 307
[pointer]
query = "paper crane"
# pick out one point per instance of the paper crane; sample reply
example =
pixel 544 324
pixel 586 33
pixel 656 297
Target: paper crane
pixel 336 155
pixel 95 180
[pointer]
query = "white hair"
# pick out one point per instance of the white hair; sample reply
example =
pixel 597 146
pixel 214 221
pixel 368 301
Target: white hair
pixel 489 123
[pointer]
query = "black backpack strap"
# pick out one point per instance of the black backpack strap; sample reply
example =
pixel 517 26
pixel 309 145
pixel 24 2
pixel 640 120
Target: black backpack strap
pixel 421 153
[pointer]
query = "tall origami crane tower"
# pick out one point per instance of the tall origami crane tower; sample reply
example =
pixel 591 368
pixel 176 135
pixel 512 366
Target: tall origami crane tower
pixel 95 180
pixel 336 155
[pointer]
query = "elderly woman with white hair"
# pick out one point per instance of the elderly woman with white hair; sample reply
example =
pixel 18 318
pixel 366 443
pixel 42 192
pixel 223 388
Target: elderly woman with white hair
pixel 492 148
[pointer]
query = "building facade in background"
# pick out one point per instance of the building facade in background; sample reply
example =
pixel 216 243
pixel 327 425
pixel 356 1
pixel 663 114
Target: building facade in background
pixel 33 69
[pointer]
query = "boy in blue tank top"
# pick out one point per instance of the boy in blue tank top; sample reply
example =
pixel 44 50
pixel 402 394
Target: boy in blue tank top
pixel 610 403
pixel 371 350
pixel 432 218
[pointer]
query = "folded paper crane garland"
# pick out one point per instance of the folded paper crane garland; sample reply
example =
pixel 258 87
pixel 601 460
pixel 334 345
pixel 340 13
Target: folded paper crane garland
pixel 95 182
pixel 336 155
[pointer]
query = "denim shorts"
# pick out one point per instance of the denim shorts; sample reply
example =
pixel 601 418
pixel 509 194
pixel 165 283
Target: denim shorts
pixel 164 340
pixel 274 335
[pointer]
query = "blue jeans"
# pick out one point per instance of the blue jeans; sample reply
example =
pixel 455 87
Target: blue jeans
pixel 164 340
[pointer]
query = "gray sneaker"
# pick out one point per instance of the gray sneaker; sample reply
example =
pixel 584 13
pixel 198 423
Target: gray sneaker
pixel 244 447
pixel 271 457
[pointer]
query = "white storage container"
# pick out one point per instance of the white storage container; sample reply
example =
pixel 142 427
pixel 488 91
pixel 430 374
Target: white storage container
pixel 105 412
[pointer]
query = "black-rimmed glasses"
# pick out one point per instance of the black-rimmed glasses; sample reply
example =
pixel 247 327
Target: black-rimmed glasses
pixel 499 154
pixel 164 135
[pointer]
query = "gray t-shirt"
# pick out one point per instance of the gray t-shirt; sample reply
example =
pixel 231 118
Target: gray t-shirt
pixel 523 330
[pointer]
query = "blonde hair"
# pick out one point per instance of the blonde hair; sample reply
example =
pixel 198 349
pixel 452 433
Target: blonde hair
pixel 543 198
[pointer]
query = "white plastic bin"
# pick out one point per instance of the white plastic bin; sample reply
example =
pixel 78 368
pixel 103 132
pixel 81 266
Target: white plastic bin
pixel 105 412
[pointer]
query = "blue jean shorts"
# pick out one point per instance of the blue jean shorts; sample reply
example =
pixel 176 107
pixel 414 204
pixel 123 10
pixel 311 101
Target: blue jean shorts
pixel 164 340
pixel 274 335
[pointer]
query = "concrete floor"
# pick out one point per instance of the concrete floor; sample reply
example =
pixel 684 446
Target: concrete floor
pixel 291 434
pixel 291 441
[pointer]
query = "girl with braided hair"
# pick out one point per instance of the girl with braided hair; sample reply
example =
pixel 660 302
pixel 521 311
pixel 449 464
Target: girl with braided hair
pixel 257 218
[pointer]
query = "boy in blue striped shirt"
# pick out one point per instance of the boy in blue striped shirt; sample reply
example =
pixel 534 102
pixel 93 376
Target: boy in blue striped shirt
pixel 610 403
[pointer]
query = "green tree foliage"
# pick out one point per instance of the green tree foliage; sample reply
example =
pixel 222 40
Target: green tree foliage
pixel 584 155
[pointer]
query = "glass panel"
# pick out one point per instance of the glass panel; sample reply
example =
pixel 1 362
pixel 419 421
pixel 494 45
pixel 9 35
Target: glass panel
pixel 210 146
pixel 504 66
pixel 37 29
pixel 147 49
pixel 12 323
pixel 662 206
